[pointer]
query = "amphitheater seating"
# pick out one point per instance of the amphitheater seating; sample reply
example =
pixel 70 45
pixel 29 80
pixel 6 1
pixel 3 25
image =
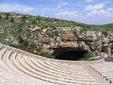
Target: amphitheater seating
pixel 104 69
pixel 21 68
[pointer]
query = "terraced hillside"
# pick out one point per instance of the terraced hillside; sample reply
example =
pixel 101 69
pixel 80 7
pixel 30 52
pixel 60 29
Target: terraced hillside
pixel 21 68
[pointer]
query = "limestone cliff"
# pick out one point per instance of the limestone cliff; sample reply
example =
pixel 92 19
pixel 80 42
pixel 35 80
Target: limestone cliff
pixel 91 41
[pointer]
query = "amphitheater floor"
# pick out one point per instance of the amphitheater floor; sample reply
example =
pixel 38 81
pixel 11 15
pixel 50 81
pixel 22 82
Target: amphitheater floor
pixel 21 68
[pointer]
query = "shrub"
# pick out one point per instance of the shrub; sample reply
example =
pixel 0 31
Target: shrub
pixel 12 20
pixel 88 56
pixel 105 32
pixel 23 43
pixel 45 54
pixel 112 46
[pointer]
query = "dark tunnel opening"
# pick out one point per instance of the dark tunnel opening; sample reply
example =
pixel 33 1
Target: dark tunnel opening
pixel 69 54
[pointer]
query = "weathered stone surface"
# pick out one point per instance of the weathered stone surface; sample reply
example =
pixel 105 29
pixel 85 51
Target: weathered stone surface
pixel 68 37
pixel 43 40
pixel 92 41
pixel 67 44
pixel 18 67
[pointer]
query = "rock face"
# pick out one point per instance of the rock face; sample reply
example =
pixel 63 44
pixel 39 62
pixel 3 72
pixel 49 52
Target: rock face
pixel 67 40
pixel 91 41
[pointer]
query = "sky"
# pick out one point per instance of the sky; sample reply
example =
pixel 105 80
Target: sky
pixel 83 11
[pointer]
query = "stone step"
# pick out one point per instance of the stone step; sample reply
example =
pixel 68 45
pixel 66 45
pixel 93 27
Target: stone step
pixel 21 68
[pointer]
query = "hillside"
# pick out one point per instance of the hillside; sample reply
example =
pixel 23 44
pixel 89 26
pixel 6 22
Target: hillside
pixel 23 31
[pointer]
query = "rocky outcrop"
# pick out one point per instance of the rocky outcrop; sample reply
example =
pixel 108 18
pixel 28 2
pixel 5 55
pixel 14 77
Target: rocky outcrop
pixel 67 40
pixel 91 41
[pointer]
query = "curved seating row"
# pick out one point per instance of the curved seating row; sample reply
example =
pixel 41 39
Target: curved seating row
pixel 21 68
pixel 104 69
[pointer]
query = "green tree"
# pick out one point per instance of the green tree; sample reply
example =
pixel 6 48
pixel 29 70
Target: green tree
pixel 34 22
pixel 105 32
pixel 23 18
pixel 0 17
pixel 7 16
pixel 12 20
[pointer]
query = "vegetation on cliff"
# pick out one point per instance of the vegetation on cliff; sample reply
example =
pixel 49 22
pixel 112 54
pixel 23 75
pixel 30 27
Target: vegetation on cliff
pixel 22 31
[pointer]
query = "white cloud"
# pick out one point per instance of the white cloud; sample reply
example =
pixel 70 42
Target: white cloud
pixel 62 4
pixel 99 10
pixel 89 1
pixel 67 14
pixel 95 7
pixel 15 8
pixel 110 9
pixel 70 15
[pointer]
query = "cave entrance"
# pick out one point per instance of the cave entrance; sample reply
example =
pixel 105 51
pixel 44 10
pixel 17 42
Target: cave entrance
pixel 69 53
